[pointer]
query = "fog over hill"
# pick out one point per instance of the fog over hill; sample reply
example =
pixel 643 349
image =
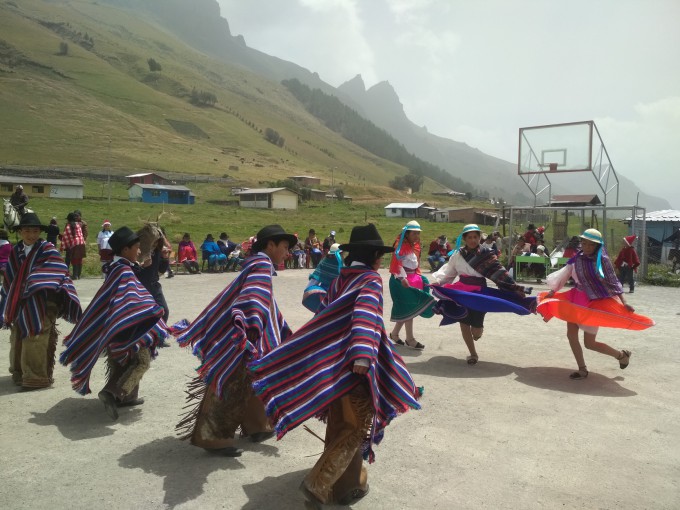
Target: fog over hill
pixel 199 23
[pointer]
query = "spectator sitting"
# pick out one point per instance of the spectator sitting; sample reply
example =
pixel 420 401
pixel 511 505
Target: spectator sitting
pixel 210 250
pixel 530 237
pixel 538 270
pixel 299 255
pixel 438 253
pixel 521 248
pixel 226 246
pixel 186 254
pixel 235 259
pixel 328 242
pixel 490 241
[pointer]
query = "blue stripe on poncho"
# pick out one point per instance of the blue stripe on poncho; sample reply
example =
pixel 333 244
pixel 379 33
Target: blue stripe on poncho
pixel 121 319
pixel 219 334
pixel 313 368
pixel 48 274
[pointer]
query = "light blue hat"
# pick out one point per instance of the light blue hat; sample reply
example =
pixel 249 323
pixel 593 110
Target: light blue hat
pixel 472 227
pixel 596 237
pixel 412 225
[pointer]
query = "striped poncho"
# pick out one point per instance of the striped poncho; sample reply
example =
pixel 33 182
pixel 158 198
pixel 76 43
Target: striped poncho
pixel 313 368
pixel 29 281
pixel 219 334
pixel 121 319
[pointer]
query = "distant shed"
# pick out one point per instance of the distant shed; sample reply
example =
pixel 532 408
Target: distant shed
pixel 269 198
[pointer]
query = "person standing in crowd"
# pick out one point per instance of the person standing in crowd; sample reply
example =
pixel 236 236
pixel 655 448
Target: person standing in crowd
pixel 123 321
pixel 572 248
pixel 19 200
pixel 105 251
pixel 627 263
pixel 5 250
pixel 186 254
pixel 352 377
pixel 322 277
pixel 52 231
pixel 73 243
pixel 597 300
pixel 472 263
pixel 530 237
pixel 241 324
pixel 407 285
pixel 35 292
pixel 313 248
pixel 149 276
pixel 438 252
pixel 83 224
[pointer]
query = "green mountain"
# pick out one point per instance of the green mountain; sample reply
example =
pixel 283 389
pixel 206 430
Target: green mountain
pixel 77 90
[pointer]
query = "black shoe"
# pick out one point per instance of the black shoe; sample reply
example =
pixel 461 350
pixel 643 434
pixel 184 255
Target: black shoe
pixel 258 437
pixel 110 405
pixel 227 451
pixel 130 403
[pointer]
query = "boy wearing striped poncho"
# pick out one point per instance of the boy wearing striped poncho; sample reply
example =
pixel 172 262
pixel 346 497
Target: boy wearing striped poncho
pixel 36 291
pixel 122 320
pixel 241 324
pixel 340 366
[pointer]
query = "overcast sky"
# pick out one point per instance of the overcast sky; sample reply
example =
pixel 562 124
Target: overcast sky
pixel 477 70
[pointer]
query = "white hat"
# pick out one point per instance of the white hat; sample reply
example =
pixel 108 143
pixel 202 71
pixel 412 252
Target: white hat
pixel 335 247
pixel 413 225
pixel 540 247
pixel 332 232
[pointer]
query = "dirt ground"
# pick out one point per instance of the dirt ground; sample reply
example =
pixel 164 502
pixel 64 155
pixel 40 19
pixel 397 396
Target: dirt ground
pixel 511 432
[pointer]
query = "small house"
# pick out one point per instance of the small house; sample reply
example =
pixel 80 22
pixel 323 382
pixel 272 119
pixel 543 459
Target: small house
pixel 43 188
pixel 408 210
pixel 161 194
pixel 306 181
pixel 147 178
pixel 269 198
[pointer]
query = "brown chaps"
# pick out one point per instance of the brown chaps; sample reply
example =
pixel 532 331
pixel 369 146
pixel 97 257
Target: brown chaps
pixel 340 468
pixel 31 359
pixel 217 419
pixel 122 381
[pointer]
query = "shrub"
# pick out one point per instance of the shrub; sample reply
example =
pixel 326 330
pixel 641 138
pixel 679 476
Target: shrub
pixel 661 275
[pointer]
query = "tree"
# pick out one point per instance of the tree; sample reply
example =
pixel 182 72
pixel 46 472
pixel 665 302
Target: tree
pixel 272 136
pixel 63 48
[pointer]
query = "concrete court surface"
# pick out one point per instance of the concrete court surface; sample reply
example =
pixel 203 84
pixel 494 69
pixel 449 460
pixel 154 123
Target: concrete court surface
pixel 511 432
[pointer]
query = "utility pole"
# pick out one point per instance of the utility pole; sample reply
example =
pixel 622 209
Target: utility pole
pixel 108 157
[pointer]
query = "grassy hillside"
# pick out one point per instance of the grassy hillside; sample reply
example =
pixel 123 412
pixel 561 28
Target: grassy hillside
pixel 101 106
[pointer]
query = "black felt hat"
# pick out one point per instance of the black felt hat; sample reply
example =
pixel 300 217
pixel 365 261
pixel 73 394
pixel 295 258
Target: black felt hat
pixel 272 233
pixel 30 220
pixel 122 237
pixel 366 238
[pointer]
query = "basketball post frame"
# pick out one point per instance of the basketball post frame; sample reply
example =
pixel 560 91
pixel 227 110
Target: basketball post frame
pixel 553 143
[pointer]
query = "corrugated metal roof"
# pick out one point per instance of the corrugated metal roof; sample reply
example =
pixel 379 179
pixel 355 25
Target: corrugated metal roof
pixel 141 175
pixel 35 180
pixel 266 191
pixel 664 215
pixel 411 205
pixel 170 187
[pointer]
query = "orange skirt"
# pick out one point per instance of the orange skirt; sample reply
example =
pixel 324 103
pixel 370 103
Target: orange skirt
pixel 609 312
